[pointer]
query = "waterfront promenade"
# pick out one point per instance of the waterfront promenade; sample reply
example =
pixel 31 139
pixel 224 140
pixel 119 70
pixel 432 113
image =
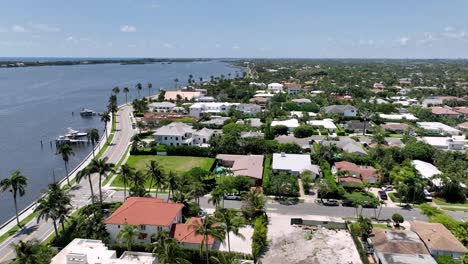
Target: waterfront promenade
pixel 81 193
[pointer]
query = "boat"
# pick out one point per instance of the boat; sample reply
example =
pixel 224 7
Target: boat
pixel 87 112
pixel 72 137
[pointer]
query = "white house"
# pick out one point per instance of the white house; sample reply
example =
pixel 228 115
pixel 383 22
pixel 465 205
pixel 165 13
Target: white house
pixel 427 170
pixel 292 88
pixel 150 215
pixel 301 101
pixel 437 127
pixel 292 163
pixel 325 123
pixel 179 134
pixel 446 143
pixel 161 106
pixel 342 110
pixel 291 124
pixel 87 251
pixel 197 109
pixel 276 87
pixel 398 116
pixel 249 109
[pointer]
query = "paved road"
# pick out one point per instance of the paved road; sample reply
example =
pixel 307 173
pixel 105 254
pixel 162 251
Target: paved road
pixel 81 192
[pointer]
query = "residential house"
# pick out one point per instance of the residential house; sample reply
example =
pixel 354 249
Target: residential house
pixel 149 215
pixel 463 126
pixel 363 174
pixel 405 81
pixel 432 102
pixel 446 143
pixel 379 86
pixel 437 127
pixel 342 110
pixel 163 107
pixel 185 234
pixel 325 123
pixel 252 134
pixel 249 109
pixel 87 251
pixel 301 101
pixel 398 128
pixel 182 95
pixel 253 122
pixel 181 134
pixel 243 165
pixel 292 88
pixel 205 99
pixel 398 247
pixel 304 143
pixel 261 101
pixel 427 171
pixel 462 111
pixel 293 164
pixel 197 109
pixel 444 112
pixel 275 87
pixel 347 144
pixel 438 239
pixel 299 114
pixel 291 124
pixel 215 121
pixel 398 117
pixel 356 126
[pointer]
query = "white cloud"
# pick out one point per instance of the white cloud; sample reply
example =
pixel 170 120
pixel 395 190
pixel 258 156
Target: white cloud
pixel 403 41
pixel 235 47
pixel 18 29
pixel 168 46
pixel 128 29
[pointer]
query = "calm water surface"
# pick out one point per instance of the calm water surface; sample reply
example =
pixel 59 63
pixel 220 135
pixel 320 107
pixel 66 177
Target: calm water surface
pixel 36 103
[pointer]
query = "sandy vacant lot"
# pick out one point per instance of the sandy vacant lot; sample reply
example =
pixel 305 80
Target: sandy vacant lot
pixel 290 244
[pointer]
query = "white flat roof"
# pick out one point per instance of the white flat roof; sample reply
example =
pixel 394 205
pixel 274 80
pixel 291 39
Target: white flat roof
pixel 326 123
pixel 300 113
pixel 427 170
pixel 398 116
pixel 437 126
pixel 291 162
pixel 291 123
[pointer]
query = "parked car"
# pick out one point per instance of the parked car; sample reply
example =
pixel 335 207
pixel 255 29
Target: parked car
pixel 331 202
pixel 232 196
pixel 383 195
pixel 347 202
pixel 389 188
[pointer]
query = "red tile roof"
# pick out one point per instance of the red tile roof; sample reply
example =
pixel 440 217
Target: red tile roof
pixel 461 110
pixel 145 211
pixel 364 172
pixel 185 233
pixel 442 111
pixel 350 179
pixel 346 166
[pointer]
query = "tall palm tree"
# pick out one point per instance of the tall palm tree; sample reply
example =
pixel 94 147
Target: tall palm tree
pixel 52 205
pixel 150 85
pixel 168 250
pixel 116 90
pixel 16 184
pixel 126 91
pixel 197 190
pixel 208 227
pixel 101 167
pixel 171 181
pixel 217 197
pixel 139 86
pixel 93 137
pixel 86 172
pixel 253 204
pixel 125 174
pixel 66 151
pixel 230 223
pixel 154 172
pixel 32 252
pixel 127 234
pixel 105 117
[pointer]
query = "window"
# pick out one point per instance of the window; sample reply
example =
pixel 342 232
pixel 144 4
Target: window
pixel 165 138
pixel 160 228
pixel 142 227
pixel 118 226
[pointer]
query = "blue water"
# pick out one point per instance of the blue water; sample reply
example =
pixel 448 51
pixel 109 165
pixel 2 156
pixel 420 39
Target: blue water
pixel 36 103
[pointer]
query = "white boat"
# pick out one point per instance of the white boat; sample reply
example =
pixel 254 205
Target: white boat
pixel 87 112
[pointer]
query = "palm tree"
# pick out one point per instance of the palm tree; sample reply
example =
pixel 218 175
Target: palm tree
pixel 127 234
pixel 217 197
pixel 168 250
pixel 102 167
pixel 138 86
pixel 126 91
pixel 86 172
pixel 171 181
pixel 105 117
pixel 150 85
pixel 32 252
pixel 93 137
pixel 125 174
pixel 66 151
pixel 16 184
pixel 154 172
pixel 116 90
pixel 208 227
pixel 230 223
pixel 253 204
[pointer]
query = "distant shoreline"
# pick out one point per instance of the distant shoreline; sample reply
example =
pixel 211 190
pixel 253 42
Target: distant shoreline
pixel 37 63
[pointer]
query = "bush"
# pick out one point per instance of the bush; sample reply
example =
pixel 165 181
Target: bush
pixel 283 185
pixel 429 210
pixel 397 219
pixel 280 130
pixel 259 237
pixel 266 172
pixel 445 259
pixel 306 177
pixel 303 131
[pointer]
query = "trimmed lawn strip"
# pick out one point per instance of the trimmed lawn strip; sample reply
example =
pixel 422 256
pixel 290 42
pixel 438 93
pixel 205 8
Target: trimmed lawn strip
pixel 456 209
pixel 360 196
pixel 444 203
pixel 177 164
pixel 14 229
pixel 383 226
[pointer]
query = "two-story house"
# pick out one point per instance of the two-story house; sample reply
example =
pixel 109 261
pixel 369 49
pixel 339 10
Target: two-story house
pixel 181 134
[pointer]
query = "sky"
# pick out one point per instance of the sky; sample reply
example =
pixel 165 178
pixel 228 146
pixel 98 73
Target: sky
pixel 237 29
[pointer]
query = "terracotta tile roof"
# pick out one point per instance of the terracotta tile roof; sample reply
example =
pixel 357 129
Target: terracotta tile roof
pixel 145 211
pixel 397 242
pixel 442 111
pixel 461 110
pixel 185 233
pixel 395 126
pixel 350 179
pixel 364 172
pixel 437 237
pixel 346 166
pixel 463 125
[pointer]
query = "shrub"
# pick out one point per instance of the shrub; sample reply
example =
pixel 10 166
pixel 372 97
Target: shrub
pixel 284 185
pixel 303 131
pixel 280 130
pixel 397 219
pixel 259 237
pixel 306 177
pixel 429 210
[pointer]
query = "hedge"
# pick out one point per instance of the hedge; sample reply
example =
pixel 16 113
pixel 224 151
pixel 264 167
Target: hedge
pixel 259 237
pixel 188 151
pixel 354 230
pixel 266 172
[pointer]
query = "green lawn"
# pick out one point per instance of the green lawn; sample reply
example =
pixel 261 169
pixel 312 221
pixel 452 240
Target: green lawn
pixel 383 226
pixel 176 164
pixel 396 135
pixel 442 202
pixel 359 196
pixel 455 209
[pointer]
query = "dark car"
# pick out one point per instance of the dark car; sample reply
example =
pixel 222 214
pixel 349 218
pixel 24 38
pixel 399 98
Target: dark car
pixel 331 202
pixel 347 202
pixel 383 195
